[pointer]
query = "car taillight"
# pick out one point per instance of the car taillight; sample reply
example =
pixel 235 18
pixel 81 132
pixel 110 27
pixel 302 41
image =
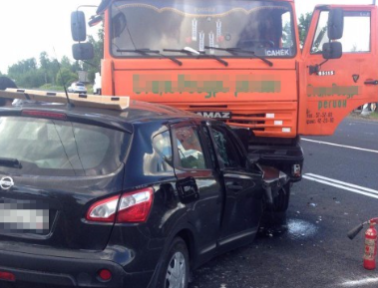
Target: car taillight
pixel 133 207
pixel 104 210
pixel 44 114
pixel 7 276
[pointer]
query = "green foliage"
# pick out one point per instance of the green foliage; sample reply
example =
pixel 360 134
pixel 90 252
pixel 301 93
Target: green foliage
pixel 52 87
pixel 26 74
pixel 65 77
pixel 304 22
pixel 49 74
pixel 94 65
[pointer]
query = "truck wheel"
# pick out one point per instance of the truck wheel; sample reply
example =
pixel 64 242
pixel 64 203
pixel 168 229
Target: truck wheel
pixel 281 201
pixel 175 269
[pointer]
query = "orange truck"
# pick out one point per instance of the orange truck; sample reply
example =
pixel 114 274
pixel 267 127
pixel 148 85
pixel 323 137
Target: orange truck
pixel 241 61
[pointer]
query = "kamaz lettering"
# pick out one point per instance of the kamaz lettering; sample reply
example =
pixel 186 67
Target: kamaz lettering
pixel 215 115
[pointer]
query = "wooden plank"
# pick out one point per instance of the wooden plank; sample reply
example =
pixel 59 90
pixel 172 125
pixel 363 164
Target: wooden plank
pixel 93 101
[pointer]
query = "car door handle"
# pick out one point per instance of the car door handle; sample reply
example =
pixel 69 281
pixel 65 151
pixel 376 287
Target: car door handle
pixel 371 82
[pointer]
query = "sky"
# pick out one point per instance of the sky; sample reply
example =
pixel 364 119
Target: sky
pixel 28 27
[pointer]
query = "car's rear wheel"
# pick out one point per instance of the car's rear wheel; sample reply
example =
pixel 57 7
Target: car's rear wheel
pixel 175 270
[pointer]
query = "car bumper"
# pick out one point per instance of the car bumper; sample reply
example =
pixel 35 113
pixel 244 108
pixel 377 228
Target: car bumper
pixel 46 271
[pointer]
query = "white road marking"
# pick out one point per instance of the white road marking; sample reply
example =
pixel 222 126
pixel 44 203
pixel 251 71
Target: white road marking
pixel 342 185
pixel 339 145
pixel 359 283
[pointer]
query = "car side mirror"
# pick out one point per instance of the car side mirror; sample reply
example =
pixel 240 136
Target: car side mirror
pixel 332 50
pixel 78 26
pixel 83 51
pixel 335 26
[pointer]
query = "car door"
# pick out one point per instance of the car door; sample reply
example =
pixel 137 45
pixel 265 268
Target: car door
pixel 243 189
pixel 330 90
pixel 198 187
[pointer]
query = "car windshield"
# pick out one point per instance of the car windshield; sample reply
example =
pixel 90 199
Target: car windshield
pixel 264 27
pixel 59 148
pixel 80 84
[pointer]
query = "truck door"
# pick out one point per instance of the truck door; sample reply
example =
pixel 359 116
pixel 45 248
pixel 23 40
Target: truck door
pixel 330 89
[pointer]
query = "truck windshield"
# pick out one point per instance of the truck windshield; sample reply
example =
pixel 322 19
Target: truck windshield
pixel 264 27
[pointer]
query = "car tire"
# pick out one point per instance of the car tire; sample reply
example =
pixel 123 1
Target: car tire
pixel 174 272
pixel 6 82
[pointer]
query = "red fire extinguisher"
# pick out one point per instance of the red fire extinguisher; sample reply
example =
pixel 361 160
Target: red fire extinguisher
pixel 370 242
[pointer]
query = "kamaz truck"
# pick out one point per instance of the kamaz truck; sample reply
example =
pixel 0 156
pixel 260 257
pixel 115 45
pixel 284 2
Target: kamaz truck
pixel 241 61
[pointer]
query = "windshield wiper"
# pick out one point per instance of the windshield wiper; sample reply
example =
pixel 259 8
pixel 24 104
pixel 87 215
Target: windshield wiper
pixel 10 162
pixel 235 51
pixel 191 51
pixel 147 51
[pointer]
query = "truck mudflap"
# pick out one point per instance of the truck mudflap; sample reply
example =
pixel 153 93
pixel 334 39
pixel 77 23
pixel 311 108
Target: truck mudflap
pixel 273 181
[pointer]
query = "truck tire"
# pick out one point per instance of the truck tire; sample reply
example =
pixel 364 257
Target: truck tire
pixel 281 201
pixel 174 272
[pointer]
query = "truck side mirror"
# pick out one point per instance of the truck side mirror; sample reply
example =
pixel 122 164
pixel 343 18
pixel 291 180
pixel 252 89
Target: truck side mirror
pixel 83 51
pixel 78 26
pixel 335 24
pixel 332 50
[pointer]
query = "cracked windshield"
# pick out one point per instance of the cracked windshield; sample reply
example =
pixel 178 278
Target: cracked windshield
pixel 259 26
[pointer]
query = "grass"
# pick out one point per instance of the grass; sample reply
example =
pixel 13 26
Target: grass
pixel 50 87
pixel 374 115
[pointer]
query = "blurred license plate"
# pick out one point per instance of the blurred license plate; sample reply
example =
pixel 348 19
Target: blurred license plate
pixel 24 219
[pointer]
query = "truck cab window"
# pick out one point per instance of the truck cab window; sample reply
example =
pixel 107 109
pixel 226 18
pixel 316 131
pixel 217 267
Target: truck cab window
pixel 190 152
pixel 265 27
pixel 356 37
pixel 226 150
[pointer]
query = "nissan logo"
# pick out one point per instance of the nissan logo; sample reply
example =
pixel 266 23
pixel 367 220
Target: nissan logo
pixel 6 183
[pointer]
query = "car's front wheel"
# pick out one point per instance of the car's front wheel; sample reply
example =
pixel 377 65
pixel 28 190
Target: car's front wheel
pixel 175 269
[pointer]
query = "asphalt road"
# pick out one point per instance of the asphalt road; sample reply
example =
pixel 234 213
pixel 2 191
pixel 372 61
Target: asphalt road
pixel 340 190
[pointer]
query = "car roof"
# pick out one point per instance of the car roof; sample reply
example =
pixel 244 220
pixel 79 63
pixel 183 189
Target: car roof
pixel 137 113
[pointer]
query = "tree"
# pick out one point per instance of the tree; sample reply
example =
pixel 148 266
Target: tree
pixel 45 65
pixel 65 76
pixel 26 73
pixel 94 66
pixel 303 25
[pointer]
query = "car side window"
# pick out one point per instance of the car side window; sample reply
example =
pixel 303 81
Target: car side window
pixel 188 145
pixel 160 162
pixel 225 148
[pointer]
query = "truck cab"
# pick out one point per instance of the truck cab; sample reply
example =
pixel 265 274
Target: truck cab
pixel 241 62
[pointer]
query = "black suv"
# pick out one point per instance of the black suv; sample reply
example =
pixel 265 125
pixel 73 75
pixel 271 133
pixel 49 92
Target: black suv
pixel 133 198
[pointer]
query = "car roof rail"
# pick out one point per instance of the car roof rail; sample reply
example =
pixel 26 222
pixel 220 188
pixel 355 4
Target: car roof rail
pixel 80 100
